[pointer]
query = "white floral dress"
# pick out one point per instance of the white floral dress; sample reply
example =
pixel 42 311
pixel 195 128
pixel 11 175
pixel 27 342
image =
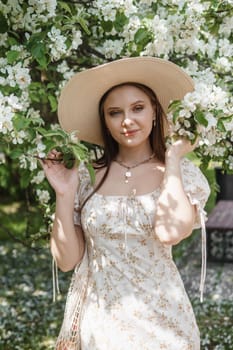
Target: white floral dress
pixel 134 295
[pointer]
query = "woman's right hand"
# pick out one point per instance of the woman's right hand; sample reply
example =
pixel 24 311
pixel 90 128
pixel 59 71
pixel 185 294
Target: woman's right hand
pixel 63 180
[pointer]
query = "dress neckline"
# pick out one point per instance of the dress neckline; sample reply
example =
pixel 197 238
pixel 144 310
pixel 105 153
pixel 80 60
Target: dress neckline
pixel 131 195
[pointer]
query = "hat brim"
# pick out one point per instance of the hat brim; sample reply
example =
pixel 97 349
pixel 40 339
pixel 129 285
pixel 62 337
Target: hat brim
pixel 78 104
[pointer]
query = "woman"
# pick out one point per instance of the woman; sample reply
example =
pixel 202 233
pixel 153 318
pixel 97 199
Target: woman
pixel 126 292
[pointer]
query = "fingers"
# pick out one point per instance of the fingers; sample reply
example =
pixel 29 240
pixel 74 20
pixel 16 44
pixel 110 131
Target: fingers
pixel 181 147
pixel 52 159
pixel 54 156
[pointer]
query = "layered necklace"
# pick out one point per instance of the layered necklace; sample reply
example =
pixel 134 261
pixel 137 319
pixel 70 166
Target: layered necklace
pixel 128 168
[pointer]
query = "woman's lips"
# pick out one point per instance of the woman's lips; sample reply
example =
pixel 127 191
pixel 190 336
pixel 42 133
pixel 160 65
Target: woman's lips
pixel 130 132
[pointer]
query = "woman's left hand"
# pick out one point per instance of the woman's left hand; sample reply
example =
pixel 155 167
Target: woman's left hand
pixel 180 148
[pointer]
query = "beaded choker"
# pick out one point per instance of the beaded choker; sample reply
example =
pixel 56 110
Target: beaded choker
pixel 128 173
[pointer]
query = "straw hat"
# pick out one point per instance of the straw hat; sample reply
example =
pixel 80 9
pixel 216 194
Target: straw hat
pixel 79 100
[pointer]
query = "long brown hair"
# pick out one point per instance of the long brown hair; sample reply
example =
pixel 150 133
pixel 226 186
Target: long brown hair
pixel 110 149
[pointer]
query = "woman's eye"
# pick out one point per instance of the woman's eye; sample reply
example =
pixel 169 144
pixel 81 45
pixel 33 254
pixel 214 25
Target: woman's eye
pixel 114 113
pixel 138 108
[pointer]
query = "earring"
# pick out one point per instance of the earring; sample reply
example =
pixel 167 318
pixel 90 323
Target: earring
pixel 154 123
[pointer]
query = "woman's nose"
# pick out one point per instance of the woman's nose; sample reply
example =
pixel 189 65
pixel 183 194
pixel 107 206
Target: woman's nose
pixel 126 121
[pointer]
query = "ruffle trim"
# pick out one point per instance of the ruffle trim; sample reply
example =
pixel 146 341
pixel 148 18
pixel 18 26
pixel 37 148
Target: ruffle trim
pixel 202 218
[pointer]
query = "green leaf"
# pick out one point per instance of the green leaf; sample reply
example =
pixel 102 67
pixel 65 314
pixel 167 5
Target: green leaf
pixel 220 125
pixel 79 152
pixel 227 119
pixel 12 56
pixel 25 180
pixel 65 7
pixel 91 172
pixel 16 153
pixel 200 118
pixel 68 159
pixel 120 21
pixel 175 116
pixel 3 24
pixel 39 53
pixel 215 4
pixel 20 122
pixel 142 36
pixel 173 105
pixel 84 25
pixel 12 41
pixel 53 102
pixel 51 85
pixel 38 49
pixel 107 26
pixel 51 133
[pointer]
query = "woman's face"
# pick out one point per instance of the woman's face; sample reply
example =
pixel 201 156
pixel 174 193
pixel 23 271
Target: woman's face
pixel 129 115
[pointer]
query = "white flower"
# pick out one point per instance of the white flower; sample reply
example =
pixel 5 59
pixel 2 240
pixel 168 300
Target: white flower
pixel 187 124
pixel 57 46
pixel 163 42
pixel 212 121
pixel 226 27
pixel 223 63
pixel 18 136
pixel 203 142
pixel 2 158
pixel 74 137
pixel 33 164
pixel 40 149
pixel 225 48
pixel 38 178
pixel 3 39
pixel 106 8
pixel 230 162
pixel 62 67
pixel 14 102
pixel 67 72
pixel 129 7
pixel 6 115
pixel 17 75
pixel 186 113
pixel 112 48
pixel 23 161
pixel 43 196
pixel 35 117
pixel 211 46
pixel 77 39
pixel 229 125
pixel 190 101
pixel 131 28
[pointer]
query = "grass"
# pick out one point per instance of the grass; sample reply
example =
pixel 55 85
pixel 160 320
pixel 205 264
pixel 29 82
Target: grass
pixel 29 319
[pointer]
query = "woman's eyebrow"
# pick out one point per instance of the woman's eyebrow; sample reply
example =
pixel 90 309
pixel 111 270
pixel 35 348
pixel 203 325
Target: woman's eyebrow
pixel 113 108
pixel 132 104
pixel 136 102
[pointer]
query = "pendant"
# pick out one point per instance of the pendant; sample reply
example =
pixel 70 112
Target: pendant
pixel 127 176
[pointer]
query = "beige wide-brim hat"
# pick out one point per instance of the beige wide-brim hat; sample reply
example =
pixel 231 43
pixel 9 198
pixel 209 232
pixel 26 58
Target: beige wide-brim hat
pixel 78 106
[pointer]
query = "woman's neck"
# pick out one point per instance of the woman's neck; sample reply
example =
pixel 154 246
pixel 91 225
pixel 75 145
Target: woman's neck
pixel 130 156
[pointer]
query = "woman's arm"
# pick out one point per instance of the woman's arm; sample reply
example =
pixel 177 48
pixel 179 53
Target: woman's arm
pixel 67 240
pixel 175 214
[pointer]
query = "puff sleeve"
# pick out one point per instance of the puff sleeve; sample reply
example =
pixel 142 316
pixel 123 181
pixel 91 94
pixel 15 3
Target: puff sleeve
pixel 83 191
pixel 197 189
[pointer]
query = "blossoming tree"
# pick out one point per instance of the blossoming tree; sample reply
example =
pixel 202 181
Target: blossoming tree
pixel 44 42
